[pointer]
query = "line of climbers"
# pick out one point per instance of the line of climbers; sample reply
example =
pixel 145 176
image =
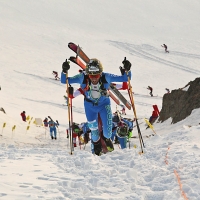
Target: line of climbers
pixel 121 132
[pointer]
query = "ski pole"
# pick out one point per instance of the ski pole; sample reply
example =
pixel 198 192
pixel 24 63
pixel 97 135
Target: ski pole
pixel 130 92
pixel 69 115
pixel 71 91
pixel 134 110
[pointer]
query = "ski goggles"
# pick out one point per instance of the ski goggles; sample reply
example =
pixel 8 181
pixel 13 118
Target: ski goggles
pixel 96 76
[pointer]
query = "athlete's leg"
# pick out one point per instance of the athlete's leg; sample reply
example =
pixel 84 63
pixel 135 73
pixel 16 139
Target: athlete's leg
pixel 91 115
pixel 123 142
pixel 51 133
pixel 55 132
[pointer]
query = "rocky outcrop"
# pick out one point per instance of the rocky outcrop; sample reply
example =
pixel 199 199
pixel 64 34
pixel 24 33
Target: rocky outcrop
pixel 179 103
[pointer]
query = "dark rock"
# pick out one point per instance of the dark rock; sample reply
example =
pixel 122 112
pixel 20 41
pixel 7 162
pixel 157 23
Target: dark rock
pixel 179 103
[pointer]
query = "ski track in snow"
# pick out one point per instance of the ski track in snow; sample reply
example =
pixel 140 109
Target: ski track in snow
pixel 143 104
pixel 75 109
pixel 147 96
pixel 51 80
pixel 141 51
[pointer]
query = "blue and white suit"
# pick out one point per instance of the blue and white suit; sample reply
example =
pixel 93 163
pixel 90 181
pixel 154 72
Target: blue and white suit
pixel 52 126
pixel 100 105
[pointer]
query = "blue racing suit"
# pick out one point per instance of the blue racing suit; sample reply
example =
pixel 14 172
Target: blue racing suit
pixel 122 140
pixel 99 105
pixel 52 126
pixel 85 128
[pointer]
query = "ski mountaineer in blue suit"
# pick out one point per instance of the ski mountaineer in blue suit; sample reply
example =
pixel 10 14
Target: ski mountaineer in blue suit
pixel 85 128
pixel 52 126
pixel 122 129
pixel 95 84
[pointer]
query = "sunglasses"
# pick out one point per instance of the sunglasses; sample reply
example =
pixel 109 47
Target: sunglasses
pixel 94 76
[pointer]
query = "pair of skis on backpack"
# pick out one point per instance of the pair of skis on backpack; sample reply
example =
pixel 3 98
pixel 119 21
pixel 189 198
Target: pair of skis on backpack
pixel 79 53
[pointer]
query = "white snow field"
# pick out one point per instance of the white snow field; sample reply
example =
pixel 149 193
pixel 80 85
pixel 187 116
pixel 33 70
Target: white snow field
pixel 34 36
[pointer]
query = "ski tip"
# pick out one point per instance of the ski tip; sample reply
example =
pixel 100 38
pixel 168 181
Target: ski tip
pixel 71 44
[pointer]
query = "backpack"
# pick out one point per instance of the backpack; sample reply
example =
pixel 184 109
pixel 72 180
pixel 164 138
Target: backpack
pixel 76 128
pixel 122 130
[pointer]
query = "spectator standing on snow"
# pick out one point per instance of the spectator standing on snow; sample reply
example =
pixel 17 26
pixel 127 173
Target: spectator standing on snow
pixel 23 115
pixel 55 75
pixel 45 121
pixel 168 91
pixel 66 99
pixel 153 117
pixel 165 46
pixel 151 90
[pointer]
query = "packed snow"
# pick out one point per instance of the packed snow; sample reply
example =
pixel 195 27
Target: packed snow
pixel 34 37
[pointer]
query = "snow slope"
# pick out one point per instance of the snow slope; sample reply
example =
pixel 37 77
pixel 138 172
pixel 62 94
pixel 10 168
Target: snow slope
pixel 34 38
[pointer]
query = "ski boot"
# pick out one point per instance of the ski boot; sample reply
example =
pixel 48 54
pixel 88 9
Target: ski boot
pixel 97 148
pixel 116 141
pixel 109 144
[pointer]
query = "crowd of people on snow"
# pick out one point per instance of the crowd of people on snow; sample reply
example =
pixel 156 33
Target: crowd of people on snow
pixel 121 133
pixel 47 123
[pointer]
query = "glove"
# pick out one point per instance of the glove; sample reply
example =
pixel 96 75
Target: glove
pixel 122 70
pixel 71 90
pixel 127 64
pixel 65 66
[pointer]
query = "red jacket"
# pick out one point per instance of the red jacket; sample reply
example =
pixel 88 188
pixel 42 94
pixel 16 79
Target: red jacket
pixel 154 114
pixel 23 116
pixel 46 122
